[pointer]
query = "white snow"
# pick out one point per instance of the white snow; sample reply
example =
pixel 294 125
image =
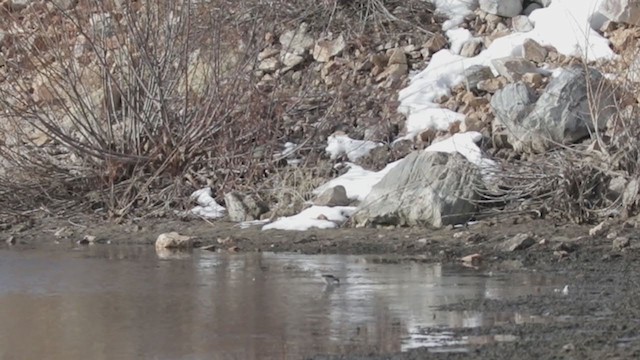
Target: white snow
pixel 465 145
pixel 455 10
pixel 340 144
pixel 357 181
pixel 309 218
pixel 457 38
pixel 565 25
pixel 207 205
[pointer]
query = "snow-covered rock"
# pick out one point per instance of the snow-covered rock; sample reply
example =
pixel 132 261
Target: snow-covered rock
pixel 427 188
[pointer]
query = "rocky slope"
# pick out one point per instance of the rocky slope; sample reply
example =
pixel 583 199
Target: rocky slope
pixel 133 107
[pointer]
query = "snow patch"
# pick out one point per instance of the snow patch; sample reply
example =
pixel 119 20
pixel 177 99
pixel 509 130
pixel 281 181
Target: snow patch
pixel 565 25
pixel 207 205
pixel 340 144
pixel 320 217
pixel 357 181
pixel 465 145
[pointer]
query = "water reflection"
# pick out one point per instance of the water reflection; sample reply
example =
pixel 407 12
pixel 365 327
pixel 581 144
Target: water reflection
pixel 124 302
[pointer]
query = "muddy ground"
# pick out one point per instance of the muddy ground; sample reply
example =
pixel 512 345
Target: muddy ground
pixel 599 317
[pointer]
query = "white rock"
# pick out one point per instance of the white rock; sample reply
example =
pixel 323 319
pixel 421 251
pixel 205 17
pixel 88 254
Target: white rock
pixel 173 240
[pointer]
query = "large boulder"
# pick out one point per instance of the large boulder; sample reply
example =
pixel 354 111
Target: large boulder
pixel 573 105
pixel 427 188
pixel 626 11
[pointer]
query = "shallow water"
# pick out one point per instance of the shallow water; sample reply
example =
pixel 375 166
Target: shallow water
pixel 105 302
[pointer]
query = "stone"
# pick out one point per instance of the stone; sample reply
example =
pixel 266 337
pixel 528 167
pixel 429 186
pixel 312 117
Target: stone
pixel 621 242
pixel 534 80
pixel 471 48
pixel 521 23
pixel 531 8
pixel 492 85
pixel 290 59
pixel 471 260
pixel 11 240
pixel 324 50
pixel 394 71
pixel 512 68
pixel 267 53
pixel 296 41
pixel 18 5
pixel 512 104
pixel 335 196
pixel 397 56
pixel 533 51
pixel 519 242
pixel 625 11
pixel 435 43
pixel 244 207
pixel 562 114
pixel 599 229
pixel 475 74
pixel 173 240
pixel 504 8
pixel 426 188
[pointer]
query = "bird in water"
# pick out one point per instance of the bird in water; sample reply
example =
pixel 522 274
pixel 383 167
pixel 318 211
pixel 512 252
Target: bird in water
pixel 331 280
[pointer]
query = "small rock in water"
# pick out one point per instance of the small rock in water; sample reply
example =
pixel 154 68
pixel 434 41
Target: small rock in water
pixel 471 260
pixel 11 240
pixel 173 240
pixel 87 239
pixel 331 279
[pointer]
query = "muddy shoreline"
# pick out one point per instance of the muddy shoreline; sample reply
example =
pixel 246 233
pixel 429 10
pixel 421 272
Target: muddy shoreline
pixel 598 318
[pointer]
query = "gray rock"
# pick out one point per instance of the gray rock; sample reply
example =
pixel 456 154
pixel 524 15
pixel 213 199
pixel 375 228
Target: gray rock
pixel 521 23
pixel 512 103
pixel 519 242
pixel 621 242
pixel 505 8
pixel 512 68
pixel 324 50
pixel 335 196
pixel 562 114
pixel 426 188
pixel 17 5
pixel 244 207
pixel 533 51
pixel 475 74
pixel 626 11
pixel 296 41
pixel 531 8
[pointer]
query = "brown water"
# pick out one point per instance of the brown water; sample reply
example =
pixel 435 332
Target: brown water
pixel 107 302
